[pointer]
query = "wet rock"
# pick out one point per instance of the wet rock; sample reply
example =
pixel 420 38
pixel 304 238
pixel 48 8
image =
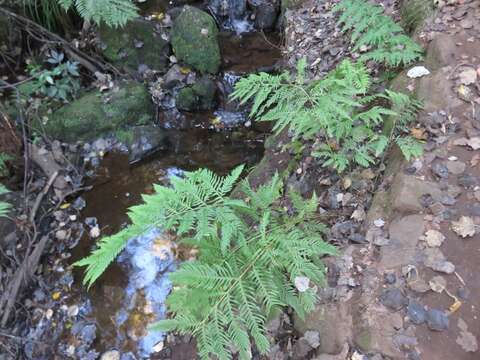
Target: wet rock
pixel 393 299
pixel 416 312
pixel 265 13
pixel 407 190
pixel 404 236
pixel 194 40
pixel 200 96
pixel 110 355
pixel 94 115
pixel 174 77
pixel 437 320
pixel 145 140
pixel 136 44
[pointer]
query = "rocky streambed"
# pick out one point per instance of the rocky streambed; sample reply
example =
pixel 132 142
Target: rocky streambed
pixel 172 115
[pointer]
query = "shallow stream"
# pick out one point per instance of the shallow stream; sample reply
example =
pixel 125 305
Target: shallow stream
pixel 131 294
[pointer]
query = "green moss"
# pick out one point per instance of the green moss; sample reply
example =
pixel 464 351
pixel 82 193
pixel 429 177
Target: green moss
pixel 414 13
pixel 194 40
pixel 200 96
pixel 186 99
pixel 136 43
pixel 95 114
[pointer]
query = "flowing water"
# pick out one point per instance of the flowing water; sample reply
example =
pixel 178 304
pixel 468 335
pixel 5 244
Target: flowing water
pixel 131 294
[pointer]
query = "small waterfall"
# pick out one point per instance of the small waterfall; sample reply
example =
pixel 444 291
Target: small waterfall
pixel 232 15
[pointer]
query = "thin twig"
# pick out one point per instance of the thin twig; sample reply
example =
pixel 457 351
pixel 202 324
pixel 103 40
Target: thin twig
pixel 41 195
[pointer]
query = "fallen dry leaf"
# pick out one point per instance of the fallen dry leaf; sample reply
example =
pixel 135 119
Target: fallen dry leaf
pixel 438 284
pixel 473 142
pixel 433 238
pixel 468 76
pixel 466 339
pixel 464 227
pixel 418 134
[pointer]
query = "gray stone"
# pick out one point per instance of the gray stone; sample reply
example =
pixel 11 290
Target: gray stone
pixel 406 191
pixel 174 76
pixel 435 260
pixel 436 93
pixel 441 51
pixel 332 321
pixel 437 320
pixel 135 45
pixel 145 140
pixel 393 299
pixel 456 167
pixel 110 355
pixel 440 170
pixel 194 40
pixel 404 236
pixel 416 312
pixel 467 180
pixel 265 13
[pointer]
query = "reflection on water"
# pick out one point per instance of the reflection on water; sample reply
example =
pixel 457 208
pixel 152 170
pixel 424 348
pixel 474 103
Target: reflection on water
pixel 148 259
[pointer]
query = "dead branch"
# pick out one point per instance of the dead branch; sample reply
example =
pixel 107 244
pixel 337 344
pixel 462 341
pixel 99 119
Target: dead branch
pixel 40 33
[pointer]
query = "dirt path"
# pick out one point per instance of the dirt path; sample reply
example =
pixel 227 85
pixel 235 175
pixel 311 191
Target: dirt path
pixel 412 291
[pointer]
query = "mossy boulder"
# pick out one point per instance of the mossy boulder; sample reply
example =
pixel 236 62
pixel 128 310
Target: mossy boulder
pixel 135 44
pixel 95 114
pixel 195 40
pixel 200 96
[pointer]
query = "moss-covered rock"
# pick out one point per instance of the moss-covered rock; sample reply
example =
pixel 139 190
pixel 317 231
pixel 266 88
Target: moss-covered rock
pixel 186 99
pixel 200 96
pixel 135 44
pixel 94 114
pixel 194 40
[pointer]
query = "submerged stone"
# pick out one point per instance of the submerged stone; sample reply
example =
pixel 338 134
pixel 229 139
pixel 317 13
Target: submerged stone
pixel 194 40
pixel 94 114
pixel 137 43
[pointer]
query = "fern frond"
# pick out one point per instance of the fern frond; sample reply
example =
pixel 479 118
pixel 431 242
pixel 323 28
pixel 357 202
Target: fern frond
pixel 112 12
pixel 371 28
pixel 250 280
pixel 4 206
pixel 198 202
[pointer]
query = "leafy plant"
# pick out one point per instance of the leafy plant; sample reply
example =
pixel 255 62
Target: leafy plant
pixel 252 256
pixel 112 12
pixel 370 28
pixel 60 82
pixel 47 13
pixel 336 108
pixel 3 163
pixel 4 206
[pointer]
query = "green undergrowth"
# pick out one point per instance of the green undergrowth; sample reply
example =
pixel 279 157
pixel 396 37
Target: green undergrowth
pixel 379 37
pixel 340 109
pixel 255 256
